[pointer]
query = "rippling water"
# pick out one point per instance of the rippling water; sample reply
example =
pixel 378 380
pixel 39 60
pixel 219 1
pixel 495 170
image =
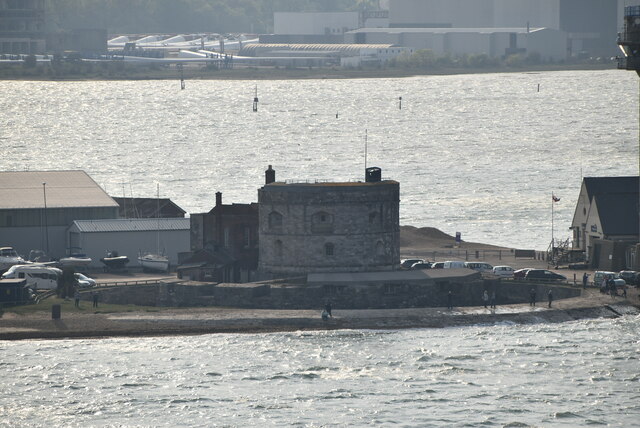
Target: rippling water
pixel 478 154
pixel 572 374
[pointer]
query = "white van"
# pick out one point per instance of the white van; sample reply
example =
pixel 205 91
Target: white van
pixel 37 276
pixel 453 264
pixel 479 266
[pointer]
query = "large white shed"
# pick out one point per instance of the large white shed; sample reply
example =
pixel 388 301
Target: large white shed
pixel 129 237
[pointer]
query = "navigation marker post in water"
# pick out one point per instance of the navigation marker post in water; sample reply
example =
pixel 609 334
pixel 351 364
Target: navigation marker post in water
pixel 400 103
pixel 255 101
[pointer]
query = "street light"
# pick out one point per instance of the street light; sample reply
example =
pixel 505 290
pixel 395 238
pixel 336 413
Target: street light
pixel 46 229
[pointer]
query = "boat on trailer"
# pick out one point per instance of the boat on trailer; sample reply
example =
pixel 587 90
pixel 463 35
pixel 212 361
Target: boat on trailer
pixel 114 261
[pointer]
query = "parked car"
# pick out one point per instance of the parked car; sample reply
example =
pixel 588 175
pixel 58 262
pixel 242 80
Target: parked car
pixel 453 264
pixel 421 265
pixel 437 265
pixel 479 266
pixel 84 281
pixel 544 275
pixel 520 273
pixel 407 263
pixel 599 275
pixel 503 271
pixel 629 276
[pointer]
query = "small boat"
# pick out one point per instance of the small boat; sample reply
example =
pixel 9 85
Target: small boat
pixel 114 261
pixel 154 262
pixel 9 257
pixel 75 260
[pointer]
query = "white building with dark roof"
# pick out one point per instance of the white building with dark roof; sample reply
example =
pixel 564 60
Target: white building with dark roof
pixel 37 207
pixel 130 237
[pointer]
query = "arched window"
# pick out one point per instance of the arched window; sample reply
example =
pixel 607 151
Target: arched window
pixel 275 220
pixel 328 249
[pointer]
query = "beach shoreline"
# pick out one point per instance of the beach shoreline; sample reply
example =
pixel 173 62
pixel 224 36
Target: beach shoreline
pixel 215 320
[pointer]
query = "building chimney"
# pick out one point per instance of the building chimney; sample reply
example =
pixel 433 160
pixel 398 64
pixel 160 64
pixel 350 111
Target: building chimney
pixel 269 175
pixel 218 199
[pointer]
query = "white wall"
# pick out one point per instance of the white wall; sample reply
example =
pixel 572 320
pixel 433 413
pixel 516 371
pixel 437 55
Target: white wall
pixel 314 23
pixel 477 13
pixel 95 244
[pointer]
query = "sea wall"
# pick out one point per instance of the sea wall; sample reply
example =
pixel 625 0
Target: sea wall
pixel 289 296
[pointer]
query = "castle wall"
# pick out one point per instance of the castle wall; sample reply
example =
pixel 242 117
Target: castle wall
pixel 329 227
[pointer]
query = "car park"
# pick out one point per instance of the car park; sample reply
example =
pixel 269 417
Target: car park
pixel 84 281
pixel 479 266
pixel 503 271
pixel 543 275
pixel 407 263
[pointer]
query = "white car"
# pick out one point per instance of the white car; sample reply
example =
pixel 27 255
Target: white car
pixel 479 266
pixel 503 271
pixel 84 281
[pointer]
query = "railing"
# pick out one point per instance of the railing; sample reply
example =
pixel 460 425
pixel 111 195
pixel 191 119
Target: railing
pixel 124 283
pixel 480 255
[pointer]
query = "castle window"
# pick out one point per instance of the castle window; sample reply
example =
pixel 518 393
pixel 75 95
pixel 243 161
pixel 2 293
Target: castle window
pixel 275 220
pixel 322 222
pixel 328 249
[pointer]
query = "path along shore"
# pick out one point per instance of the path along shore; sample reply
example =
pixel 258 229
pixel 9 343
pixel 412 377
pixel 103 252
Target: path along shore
pixel 92 323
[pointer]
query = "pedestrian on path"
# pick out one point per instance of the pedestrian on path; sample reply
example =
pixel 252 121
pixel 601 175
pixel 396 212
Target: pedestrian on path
pixel 532 297
pixel 449 300
pixel 327 307
pixel 485 298
pixel 95 299
pixel 550 296
pixel 76 297
pixel 493 299
pixel 585 278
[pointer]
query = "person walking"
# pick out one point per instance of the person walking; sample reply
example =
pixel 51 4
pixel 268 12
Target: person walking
pixel 95 299
pixel 585 278
pixel 327 307
pixel 485 298
pixel 76 297
pixel 493 299
pixel 449 300
pixel 550 296
pixel 532 297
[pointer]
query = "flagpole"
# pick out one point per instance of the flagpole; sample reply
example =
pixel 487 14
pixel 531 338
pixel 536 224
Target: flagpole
pixel 552 201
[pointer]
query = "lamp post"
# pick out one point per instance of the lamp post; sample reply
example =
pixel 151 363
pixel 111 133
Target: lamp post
pixel 46 229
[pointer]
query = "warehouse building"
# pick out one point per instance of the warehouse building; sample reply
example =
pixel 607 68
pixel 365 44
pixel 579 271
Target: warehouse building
pixel 37 207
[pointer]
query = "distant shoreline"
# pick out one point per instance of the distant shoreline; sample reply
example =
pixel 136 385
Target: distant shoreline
pixel 270 73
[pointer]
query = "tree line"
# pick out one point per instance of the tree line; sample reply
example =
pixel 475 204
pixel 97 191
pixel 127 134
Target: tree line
pixel 184 16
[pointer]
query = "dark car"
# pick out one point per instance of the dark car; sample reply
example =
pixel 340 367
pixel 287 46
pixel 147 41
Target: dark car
pixel 421 265
pixel 437 265
pixel 544 275
pixel 407 263
pixel 520 273
pixel 630 276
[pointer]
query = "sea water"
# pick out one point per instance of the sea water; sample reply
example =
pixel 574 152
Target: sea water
pixel 478 154
pixel 583 373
